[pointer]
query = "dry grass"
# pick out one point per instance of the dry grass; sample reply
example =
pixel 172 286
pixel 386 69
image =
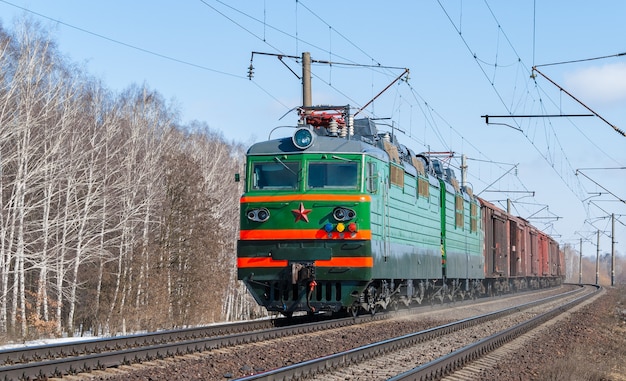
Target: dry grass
pixel 577 367
pixel 589 345
pixel 597 353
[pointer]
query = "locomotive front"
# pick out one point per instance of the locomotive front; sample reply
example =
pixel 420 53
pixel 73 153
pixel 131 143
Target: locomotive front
pixel 305 238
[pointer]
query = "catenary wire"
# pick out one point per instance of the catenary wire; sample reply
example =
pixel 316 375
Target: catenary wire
pixel 430 109
pixel 160 55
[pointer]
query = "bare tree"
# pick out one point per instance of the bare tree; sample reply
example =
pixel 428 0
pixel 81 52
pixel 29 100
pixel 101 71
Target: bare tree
pixel 146 122
pixel 30 103
pixel 112 217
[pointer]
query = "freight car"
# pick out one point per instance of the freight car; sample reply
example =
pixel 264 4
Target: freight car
pixel 518 255
pixel 342 217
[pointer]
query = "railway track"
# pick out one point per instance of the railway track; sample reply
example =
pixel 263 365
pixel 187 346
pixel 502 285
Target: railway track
pixel 57 360
pixel 69 359
pixel 393 359
pixel 473 370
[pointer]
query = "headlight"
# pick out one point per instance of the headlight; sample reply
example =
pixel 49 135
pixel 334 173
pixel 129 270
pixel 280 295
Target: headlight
pixel 258 215
pixel 343 214
pixel 302 138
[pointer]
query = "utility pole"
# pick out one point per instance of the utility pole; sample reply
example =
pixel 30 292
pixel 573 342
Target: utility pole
pixel 598 260
pixel 580 263
pixel 463 170
pixel 612 249
pixel 306 80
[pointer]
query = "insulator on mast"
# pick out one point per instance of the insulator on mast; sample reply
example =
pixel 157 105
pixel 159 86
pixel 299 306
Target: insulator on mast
pixel 343 131
pixel 332 127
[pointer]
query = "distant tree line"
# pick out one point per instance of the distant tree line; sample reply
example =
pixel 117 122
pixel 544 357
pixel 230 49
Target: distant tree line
pixel 589 266
pixel 114 217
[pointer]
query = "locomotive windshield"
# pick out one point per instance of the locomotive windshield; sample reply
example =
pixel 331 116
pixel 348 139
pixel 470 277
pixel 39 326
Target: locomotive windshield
pixel 341 175
pixel 275 175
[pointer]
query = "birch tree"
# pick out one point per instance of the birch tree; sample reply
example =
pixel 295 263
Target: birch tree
pixel 112 216
pixel 30 107
pixel 146 124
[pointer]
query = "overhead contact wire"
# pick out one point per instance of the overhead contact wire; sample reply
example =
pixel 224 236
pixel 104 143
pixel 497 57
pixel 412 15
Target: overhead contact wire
pixel 124 43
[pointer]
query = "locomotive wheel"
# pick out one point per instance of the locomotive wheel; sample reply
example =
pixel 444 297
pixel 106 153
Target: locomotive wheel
pixel 354 310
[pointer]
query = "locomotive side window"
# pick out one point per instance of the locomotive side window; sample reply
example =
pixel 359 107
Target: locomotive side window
pixel 372 177
pixel 343 175
pixel 459 211
pixel 473 218
pixel 272 175
pixel 422 187
pixel 396 175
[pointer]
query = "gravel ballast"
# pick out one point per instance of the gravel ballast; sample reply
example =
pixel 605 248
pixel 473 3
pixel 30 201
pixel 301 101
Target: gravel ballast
pixel 589 344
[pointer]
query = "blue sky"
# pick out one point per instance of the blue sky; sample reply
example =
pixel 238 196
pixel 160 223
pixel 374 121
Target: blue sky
pixel 466 59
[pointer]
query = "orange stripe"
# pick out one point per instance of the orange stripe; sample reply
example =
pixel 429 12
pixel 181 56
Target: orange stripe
pixel 250 262
pixel 267 234
pixel 245 262
pixel 307 197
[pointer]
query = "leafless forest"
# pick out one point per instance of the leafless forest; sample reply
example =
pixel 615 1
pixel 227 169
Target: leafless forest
pixel 114 217
pixel 590 264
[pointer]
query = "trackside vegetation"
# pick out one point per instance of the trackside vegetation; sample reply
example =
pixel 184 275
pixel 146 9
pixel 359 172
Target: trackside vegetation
pixel 114 216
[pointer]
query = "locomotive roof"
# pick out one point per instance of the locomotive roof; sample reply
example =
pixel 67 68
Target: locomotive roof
pixel 321 144
pixel 366 140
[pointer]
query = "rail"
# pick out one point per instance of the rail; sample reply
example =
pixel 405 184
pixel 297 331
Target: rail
pixel 356 355
pixel 57 360
pixel 446 365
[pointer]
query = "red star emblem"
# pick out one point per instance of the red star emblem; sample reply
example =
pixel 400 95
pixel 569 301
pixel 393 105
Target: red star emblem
pixel 301 213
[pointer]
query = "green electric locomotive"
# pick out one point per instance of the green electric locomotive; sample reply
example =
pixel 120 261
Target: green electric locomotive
pixel 341 217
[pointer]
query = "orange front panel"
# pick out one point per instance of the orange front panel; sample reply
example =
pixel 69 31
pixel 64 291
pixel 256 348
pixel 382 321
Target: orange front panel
pixel 245 262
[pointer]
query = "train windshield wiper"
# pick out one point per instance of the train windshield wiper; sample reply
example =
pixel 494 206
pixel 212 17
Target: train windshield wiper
pixel 284 165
